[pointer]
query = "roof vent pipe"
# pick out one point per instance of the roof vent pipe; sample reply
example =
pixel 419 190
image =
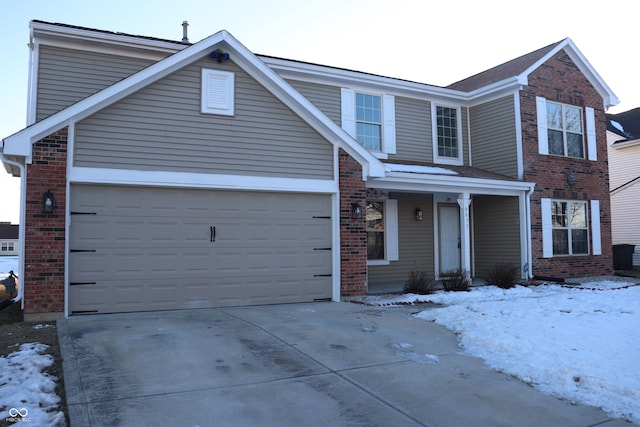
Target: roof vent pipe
pixel 185 39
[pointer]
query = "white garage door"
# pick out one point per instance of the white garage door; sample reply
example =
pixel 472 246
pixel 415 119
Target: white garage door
pixel 140 249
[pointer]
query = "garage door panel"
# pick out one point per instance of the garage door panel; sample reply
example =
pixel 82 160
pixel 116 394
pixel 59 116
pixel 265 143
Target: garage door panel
pixel 154 248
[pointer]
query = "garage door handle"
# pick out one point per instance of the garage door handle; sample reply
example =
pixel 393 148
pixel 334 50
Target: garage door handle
pixel 212 235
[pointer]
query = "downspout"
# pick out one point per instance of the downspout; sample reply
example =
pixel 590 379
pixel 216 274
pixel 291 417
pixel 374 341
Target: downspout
pixel 528 214
pixel 22 227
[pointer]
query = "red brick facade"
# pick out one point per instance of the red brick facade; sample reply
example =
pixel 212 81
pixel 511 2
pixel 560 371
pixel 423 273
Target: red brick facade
pixel 44 255
pixel 560 80
pixel 353 232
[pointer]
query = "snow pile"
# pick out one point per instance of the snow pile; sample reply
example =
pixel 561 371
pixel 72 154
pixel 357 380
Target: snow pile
pixel 26 392
pixel 578 343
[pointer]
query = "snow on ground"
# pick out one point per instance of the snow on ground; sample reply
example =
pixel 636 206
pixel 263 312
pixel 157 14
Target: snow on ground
pixel 579 343
pixel 7 264
pixel 27 394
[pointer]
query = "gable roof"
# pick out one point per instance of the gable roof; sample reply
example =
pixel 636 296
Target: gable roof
pixel 522 66
pixel 20 143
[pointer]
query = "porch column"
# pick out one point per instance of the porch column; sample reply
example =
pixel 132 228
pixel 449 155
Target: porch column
pixel 464 201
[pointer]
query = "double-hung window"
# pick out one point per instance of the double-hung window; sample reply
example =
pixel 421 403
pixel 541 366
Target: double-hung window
pixel 7 247
pixel 570 232
pixel 370 119
pixel 382 231
pixel 447 137
pixel 563 130
pixel 568 226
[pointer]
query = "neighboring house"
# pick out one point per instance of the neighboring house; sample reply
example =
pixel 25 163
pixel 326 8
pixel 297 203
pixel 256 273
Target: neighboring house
pixel 162 175
pixel 8 239
pixel 623 143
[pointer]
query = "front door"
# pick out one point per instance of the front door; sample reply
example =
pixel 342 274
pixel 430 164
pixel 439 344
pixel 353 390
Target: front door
pixel 449 237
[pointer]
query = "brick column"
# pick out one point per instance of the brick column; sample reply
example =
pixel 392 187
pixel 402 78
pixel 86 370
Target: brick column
pixel 44 252
pixel 353 232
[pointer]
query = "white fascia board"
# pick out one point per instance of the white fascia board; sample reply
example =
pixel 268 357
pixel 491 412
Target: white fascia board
pixel 199 180
pixel 340 77
pixel 625 143
pixel 49 34
pixel 609 98
pixel 449 184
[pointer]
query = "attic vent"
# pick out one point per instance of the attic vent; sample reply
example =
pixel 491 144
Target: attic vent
pixel 217 95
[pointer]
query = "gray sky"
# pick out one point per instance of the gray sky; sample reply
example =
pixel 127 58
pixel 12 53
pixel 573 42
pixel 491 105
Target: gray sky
pixel 427 41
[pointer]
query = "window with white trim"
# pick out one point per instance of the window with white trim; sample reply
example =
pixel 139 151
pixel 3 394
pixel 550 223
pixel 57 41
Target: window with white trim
pixel 382 231
pixel 563 130
pixel 370 119
pixel 217 92
pixel 447 134
pixel 570 231
pixel 567 227
pixel 7 247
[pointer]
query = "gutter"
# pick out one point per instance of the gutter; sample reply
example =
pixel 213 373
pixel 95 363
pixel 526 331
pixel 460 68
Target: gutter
pixel 22 227
pixel 528 228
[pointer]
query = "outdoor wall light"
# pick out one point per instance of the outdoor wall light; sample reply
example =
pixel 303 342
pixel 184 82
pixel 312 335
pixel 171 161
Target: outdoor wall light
pixel 356 211
pixel 419 214
pixel 47 202
pixel 220 56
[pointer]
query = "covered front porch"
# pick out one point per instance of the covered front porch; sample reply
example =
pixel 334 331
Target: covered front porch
pixel 444 221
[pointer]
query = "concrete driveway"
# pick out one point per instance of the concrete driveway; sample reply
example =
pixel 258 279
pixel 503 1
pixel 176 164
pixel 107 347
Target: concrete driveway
pixel 320 364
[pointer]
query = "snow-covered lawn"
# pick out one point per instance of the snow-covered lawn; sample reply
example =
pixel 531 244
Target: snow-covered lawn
pixel 578 343
pixel 26 392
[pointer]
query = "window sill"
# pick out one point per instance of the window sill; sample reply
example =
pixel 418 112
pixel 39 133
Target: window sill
pixel 380 155
pixel 378 262
pixel 446 161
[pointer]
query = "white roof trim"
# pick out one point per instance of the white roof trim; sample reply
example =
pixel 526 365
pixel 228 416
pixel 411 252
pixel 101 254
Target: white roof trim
pixel 430 183
pixel 20 144
pixel 609 98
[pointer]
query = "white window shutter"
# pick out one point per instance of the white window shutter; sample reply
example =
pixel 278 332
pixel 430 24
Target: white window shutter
pixel 596 243
pixel 389 124
pixel 543 138
pixel 348 108
pixel 592 148
pixel 217 95
pixel 547 228
pixel 391 229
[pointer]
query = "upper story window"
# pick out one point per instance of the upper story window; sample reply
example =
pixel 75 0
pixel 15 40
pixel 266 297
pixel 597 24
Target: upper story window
pixel 565 130
pixel 370 119
pixel 7 247
pixel 447 140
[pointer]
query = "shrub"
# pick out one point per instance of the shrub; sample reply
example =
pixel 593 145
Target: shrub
pixel 504 275
pixel 456 280
pixel 419 283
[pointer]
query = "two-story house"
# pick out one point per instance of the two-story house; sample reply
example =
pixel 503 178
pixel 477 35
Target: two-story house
pixel 165 175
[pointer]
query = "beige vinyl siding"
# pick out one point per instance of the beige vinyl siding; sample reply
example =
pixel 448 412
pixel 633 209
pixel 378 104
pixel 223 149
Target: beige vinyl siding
pixel 493 137
pixel 415 239
pixel 413 130
pixel 496 227
pixel 65 76
pixel 161 128
pixel 326 98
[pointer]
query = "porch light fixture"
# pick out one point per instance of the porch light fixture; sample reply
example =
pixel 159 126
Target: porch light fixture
pixel 356 211
pixel 419 216
pixel 47 202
